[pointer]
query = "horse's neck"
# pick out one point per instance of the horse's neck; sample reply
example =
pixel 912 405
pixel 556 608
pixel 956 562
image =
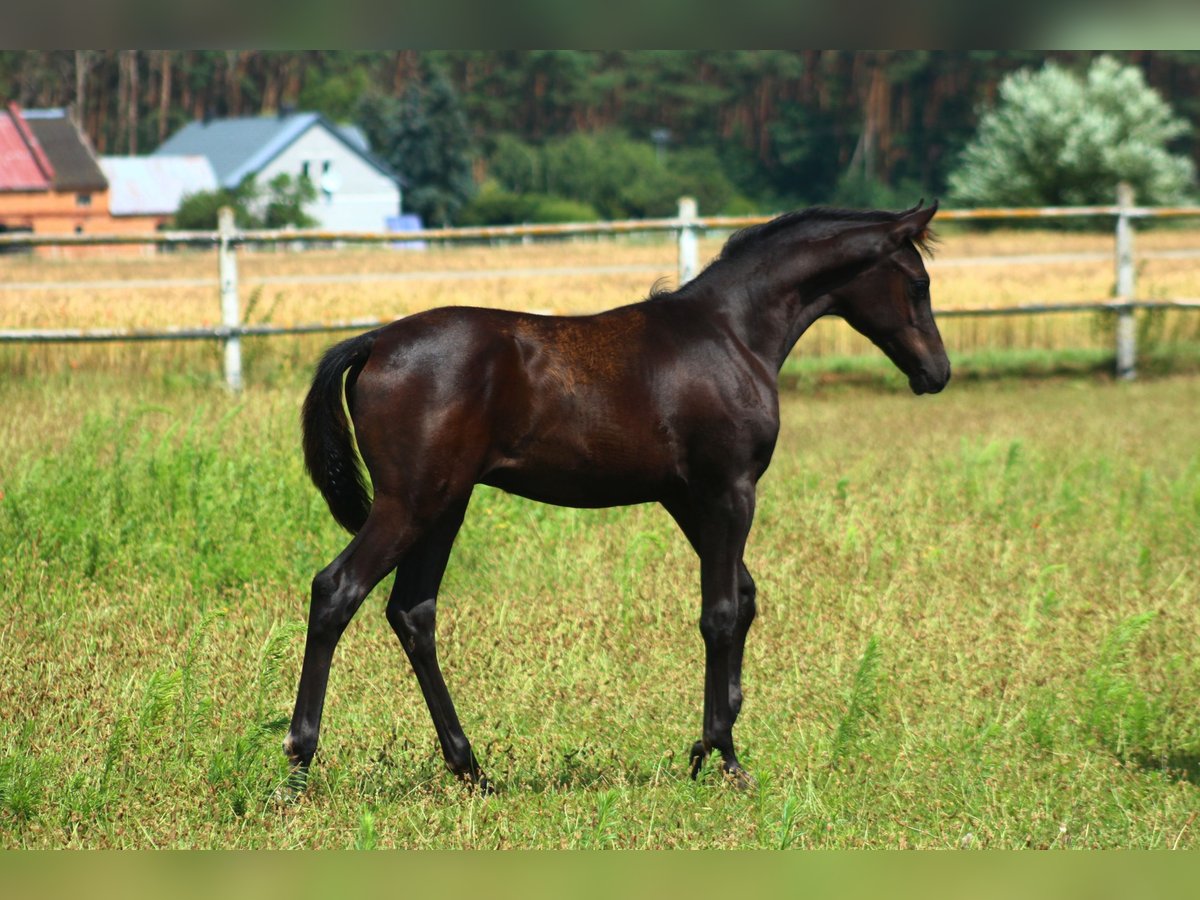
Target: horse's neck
pixel 768 314
pixel 803 315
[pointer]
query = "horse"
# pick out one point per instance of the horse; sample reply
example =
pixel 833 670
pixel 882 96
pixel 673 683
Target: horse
pixel 672 400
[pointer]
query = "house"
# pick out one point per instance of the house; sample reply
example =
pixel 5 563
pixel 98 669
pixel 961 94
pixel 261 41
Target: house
pixel 149 189
pixel 50 180
pixel 355 191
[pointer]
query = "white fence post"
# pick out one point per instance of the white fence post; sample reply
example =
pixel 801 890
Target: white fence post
pixel 1126 326
pixel 230 315
pixel 688 249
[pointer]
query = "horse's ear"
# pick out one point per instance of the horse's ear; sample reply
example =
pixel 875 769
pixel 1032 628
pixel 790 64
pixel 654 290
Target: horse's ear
pixel 914 223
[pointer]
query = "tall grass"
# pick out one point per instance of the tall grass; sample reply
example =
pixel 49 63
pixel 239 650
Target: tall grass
pixel 331 285
pixel 978 607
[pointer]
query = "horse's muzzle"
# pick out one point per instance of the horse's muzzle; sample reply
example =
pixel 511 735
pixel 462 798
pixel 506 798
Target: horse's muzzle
pixel 926 382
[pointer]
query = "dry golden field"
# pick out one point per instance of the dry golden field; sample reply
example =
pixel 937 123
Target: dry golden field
pixel 563 277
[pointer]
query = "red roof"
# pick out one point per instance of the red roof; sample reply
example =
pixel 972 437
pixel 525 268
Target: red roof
pixel 23 164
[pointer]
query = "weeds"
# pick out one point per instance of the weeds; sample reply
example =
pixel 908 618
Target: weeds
pixel 366 838
pixel 785 834
pixel 862 702
pixel 1118 713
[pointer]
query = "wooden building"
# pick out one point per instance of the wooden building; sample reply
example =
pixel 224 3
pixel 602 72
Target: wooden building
pixel 51 182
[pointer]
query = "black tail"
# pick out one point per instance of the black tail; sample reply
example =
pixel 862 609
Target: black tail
pixel 329 450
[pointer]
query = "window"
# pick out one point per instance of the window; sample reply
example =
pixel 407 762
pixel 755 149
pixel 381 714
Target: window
pixel 331 181
pixel 83 199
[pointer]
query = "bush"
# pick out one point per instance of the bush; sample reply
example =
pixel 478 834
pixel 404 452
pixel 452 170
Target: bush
pixel 495 206
pixel 280 205
pixel 548 208
pixel 198 212
pixel 1056 139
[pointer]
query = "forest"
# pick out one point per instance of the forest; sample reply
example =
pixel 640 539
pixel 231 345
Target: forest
pixel 781 127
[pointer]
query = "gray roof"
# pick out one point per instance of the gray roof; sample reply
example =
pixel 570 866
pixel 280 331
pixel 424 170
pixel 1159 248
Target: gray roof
pixel 237 148
pixel 154 185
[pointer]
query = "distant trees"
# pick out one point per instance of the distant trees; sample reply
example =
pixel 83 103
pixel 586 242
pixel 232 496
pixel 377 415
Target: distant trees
pixel 783 128
pixel 1055 138
pixel 423 136
pixel 604 175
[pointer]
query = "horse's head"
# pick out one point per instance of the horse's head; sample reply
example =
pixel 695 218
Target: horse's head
pixel 890 304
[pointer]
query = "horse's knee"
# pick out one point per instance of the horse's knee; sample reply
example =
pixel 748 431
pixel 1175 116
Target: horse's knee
pixel 718 621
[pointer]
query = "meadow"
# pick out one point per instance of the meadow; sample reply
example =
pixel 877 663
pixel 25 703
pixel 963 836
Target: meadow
pixel 978 611
pixel 978 628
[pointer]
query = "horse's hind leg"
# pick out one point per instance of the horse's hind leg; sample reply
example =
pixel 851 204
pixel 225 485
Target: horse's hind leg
pixel 412 613
pixel 337 592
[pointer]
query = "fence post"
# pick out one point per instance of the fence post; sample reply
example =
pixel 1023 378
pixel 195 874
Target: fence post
pixel 230 315
pixel 1126 327
pixel 688 250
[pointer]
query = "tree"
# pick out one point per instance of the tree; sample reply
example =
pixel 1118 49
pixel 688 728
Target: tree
pixel 1057 139
pixel 424 137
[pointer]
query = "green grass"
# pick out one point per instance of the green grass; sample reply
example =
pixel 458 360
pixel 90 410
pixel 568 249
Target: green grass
pixel 978 628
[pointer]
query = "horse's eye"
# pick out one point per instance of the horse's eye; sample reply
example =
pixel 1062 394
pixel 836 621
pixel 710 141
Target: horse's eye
pixel 919 289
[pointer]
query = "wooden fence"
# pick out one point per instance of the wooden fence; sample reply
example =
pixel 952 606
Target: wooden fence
pixel 687 226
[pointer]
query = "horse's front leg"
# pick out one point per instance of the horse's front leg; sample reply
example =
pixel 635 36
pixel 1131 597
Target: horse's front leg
pixel 717 527
pixel 746 610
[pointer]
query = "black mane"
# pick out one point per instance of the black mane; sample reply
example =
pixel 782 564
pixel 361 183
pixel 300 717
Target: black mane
pixel 819 221
pixel 752 236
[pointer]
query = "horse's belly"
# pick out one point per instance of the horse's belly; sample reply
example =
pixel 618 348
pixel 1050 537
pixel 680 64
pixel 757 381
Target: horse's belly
pixel 582 476
pixel 581 491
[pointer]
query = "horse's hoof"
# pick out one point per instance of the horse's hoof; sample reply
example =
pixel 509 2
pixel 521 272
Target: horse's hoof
pixel 696 758
pixel 738 778
pixel 477 783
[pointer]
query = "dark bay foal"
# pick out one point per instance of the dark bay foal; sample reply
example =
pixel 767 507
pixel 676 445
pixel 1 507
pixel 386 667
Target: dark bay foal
pixel 673 400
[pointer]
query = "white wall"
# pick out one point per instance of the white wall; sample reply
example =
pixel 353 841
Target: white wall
pixel 363 198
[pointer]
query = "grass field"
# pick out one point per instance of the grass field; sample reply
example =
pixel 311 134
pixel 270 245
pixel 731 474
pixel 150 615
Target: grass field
pixel 979 628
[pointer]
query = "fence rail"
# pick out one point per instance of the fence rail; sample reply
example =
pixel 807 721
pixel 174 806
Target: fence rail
pixel 687 226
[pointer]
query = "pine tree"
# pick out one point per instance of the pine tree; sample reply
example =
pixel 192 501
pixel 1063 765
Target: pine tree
pixel 424 137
